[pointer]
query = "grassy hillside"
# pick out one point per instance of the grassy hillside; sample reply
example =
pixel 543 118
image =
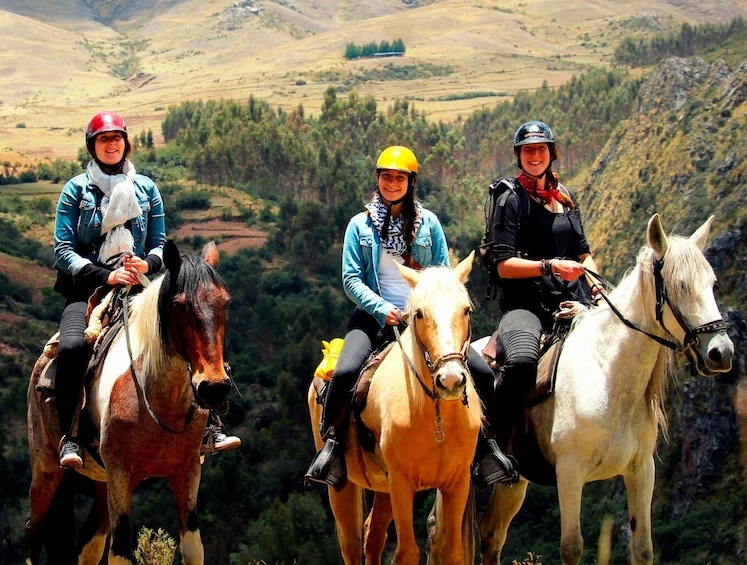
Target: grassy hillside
pixel 69 59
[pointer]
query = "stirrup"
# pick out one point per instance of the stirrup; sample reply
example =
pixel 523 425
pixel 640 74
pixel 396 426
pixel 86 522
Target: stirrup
pixel 328 466
pixel 495 467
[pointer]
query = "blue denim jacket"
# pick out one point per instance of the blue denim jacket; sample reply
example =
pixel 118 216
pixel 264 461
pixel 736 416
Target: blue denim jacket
pixel 360 260
pixel 77 235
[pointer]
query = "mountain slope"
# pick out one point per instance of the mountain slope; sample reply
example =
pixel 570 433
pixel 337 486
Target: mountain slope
pixel 74 58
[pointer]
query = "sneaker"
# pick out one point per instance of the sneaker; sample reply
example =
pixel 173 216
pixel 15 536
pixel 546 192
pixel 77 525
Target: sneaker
pixel 216 440
pixel 70 455
pixel 495 467
pixel 328 466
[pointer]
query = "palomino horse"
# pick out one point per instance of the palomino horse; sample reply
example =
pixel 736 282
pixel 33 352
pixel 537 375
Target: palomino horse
pixel 424 414
pixel 608 404
pixel 149 401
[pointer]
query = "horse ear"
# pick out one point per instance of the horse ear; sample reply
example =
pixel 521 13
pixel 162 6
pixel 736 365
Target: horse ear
pixel 210 254
pixel 464 268
pixel 172 259
pixel 410 275
pixel 700 236
pixel 657 239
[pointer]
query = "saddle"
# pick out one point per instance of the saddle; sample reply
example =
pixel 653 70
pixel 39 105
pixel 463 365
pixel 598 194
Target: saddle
pixel 104 320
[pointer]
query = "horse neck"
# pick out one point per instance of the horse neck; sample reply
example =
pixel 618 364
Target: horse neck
pixel 163 375
pixel 638 364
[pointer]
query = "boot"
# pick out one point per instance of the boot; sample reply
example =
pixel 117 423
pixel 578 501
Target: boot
pixel 492 465
pixel 328 465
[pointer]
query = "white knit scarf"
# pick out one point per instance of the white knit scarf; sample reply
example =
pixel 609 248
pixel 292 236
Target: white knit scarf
pixel 119 205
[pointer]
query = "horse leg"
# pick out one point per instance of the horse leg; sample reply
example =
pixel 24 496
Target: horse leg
pixel 402 495
pixel 639 482
pixel 376 527
pixel 96 528
pixel 50 521
pixel 119 499
pixel 570 489
pixel 454 507
pixel 184 486
pixel 347 507
pixel 504 504
pixel 41 493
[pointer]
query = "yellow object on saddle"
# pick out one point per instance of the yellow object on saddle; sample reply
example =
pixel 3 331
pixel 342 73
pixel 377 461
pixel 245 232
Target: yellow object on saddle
pixel 331 351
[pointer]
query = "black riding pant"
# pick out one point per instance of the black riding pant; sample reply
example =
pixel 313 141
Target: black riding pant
pixel 73 355
pixel 519 332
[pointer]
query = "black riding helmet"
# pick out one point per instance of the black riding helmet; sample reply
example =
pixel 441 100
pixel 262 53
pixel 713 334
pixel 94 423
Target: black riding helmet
pixel 534 132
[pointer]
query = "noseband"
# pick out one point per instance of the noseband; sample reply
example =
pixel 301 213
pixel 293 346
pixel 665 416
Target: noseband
pixel 691 340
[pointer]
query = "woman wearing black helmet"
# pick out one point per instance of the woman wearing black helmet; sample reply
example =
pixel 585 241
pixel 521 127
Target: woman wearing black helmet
pixel 109 230
pixel 541 254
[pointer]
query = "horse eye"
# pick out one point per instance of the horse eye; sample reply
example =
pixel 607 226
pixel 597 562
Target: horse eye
pixel 467 310
pixel 419 314
pixel 716 285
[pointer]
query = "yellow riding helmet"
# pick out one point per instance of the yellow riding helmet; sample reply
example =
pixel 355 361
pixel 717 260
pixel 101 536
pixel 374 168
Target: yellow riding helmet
pixel 398 158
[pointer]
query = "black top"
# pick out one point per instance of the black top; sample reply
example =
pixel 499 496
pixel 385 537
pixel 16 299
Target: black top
pixel 540 235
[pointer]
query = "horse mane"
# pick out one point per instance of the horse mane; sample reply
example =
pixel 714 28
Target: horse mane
pixel 150 311
pixel 684 268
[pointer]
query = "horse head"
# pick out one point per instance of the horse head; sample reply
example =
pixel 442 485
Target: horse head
pixel 685 302
pixel 438 310
pixel 192 304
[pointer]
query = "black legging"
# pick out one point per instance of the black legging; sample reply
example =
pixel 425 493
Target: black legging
pixel 73 354
pixel 519 331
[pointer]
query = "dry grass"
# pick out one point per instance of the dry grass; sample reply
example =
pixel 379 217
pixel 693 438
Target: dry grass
pixel 60 67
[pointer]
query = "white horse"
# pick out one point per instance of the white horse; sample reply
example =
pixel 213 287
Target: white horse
pixel 607 407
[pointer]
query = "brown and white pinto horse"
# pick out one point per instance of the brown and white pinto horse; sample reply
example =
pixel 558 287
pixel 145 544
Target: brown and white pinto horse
pixel 424 414
pixel 149 400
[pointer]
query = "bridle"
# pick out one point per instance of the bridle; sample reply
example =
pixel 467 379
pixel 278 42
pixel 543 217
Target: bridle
pixel 433 367
pixel 691 340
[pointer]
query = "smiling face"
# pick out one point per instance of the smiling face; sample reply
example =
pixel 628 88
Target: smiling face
pixel 392 184
pixel 110 147
pixel 535 158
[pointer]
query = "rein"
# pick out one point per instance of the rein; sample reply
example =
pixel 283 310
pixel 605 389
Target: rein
pixel 662 299
pixel 136 378
pixel 433 366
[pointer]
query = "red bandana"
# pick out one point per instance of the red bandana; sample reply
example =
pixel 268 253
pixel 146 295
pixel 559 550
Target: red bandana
pixel 547 194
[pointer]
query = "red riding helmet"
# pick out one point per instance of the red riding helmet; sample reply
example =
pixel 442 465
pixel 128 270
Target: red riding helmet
pixel 105 121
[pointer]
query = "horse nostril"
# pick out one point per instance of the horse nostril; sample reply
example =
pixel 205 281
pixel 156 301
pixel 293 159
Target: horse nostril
pixel 213 394
pixel 715 355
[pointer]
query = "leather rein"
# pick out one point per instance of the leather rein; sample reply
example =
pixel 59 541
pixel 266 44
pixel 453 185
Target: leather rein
pixel 662 299
pixel 137 380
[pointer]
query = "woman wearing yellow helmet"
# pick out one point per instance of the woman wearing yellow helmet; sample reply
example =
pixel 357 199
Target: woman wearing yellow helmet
pixel 393 227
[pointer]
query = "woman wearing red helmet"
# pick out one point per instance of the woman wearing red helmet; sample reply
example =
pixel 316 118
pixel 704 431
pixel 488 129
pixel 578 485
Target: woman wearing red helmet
pixel 394 227
pixel 109 230
pixel 541 255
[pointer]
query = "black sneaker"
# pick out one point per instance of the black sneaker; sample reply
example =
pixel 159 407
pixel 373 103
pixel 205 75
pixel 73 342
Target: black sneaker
pixel 70 455
pixel 328 466
pixel 495 467
pixel 216 440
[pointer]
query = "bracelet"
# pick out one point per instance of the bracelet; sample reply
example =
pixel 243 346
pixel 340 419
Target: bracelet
pixel 546 267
